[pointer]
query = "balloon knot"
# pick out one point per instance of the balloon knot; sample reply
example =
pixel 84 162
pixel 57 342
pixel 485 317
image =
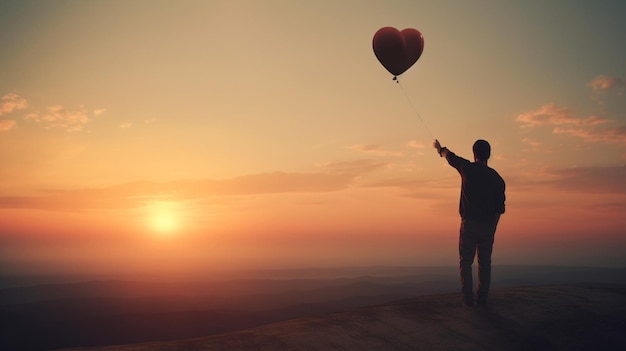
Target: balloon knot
pixel 395 77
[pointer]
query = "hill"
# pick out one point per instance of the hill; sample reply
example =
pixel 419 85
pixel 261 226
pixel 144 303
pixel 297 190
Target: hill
pixel 570 317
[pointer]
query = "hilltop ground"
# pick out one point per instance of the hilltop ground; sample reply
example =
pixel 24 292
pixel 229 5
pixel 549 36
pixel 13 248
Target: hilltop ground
pixel 582 317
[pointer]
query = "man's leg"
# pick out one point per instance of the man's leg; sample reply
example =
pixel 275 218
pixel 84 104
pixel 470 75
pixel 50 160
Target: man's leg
pixel 485 248
pixel 467 250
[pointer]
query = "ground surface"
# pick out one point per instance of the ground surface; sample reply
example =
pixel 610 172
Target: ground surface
pixel 530 318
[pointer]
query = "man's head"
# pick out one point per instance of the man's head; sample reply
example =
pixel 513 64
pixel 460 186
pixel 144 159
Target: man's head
pixel 482 150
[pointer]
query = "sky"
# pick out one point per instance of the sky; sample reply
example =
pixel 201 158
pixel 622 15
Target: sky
pixel 154 136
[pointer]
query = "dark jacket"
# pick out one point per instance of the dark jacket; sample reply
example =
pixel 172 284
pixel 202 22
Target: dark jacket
pixel 482 189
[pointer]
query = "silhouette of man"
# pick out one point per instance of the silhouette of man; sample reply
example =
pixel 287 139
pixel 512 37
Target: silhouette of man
pixel 480 207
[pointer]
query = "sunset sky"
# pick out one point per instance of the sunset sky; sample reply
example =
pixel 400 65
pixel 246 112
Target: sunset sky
pixel 142 136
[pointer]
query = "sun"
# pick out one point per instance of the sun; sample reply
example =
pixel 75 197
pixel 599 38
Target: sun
pixel 164 218
pixel 164 222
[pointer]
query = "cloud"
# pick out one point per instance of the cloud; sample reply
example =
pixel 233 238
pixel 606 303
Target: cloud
pixel 562 121
pixel 126 125
pixel 552 115
pixel 59 117
pixel 278 182
pixel 591 179
pixel 415 144
pixel 441 188
pixel 375 150
pixel 139 194
pixel 11 102
pixel 356 167
pixel 531 142
pixel 604 83
pixel 55 116
pixel 6 125
pixel 409 184
pixel 615 135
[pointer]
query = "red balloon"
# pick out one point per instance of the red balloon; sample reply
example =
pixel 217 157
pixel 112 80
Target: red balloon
pixel 398 50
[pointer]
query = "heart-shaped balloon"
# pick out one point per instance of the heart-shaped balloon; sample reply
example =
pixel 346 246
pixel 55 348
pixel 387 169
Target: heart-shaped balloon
pixel 398 50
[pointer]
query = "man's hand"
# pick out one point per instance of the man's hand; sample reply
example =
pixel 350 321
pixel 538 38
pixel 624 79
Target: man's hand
pixel 437 145
pixel 442 151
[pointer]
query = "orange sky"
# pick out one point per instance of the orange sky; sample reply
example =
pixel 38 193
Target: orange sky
pixel 192 135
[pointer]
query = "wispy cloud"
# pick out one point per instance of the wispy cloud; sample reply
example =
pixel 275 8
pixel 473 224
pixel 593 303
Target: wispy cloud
pixel 11 102
pixel 616 135
pixel 531 142
pixel 337 177
pixel 563 121
pixel 6 125
pixel 59 117
pixel 52 117
pixel 552 115
pixel 126 125
pixel 604 83
pixel 592 179
pixel 375 150
pixel 418 189
pixel 356 167
pixel 415 144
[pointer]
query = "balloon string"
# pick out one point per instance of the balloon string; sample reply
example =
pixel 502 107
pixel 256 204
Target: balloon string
pixel 413 106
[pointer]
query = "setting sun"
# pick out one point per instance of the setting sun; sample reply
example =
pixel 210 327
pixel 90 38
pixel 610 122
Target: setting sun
pixel 163 218
pixel 164 222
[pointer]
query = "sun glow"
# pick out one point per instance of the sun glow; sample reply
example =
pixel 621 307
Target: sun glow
pixel 164 222
pixel 164 218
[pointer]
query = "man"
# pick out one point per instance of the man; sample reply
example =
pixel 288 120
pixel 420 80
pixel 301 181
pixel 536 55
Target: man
pixel 480 207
